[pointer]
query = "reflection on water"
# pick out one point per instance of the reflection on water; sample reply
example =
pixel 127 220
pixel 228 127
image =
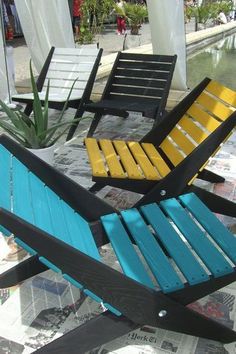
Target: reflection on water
pixel 217 62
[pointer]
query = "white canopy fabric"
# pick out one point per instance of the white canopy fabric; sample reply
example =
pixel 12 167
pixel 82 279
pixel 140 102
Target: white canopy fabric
pixel 45 23
pixel 3 73
pixel 166 19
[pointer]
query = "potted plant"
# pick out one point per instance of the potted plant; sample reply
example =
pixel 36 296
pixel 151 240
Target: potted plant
pixel 34 132
pixel 136 15
pixel 94 14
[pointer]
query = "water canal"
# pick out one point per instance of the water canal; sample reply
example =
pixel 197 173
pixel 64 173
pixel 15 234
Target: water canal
pixel 217 61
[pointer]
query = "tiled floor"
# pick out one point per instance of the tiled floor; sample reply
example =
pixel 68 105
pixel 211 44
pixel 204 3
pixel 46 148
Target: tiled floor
pixel 42 308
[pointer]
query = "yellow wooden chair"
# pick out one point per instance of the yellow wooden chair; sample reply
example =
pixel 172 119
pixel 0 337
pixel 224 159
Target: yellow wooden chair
pixel 167 160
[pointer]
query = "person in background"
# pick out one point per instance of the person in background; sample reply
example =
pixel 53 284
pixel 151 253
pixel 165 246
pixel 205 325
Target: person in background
pixel 76 17
pixel 121 18
pixel 221 18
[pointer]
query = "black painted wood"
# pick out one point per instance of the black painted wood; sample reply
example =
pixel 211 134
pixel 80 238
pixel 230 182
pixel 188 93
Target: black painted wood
pixel 22 271
pixel 121 93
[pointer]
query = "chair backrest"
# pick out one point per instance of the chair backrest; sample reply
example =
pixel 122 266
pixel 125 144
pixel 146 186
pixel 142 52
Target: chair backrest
pixel 141 76
pixel 209 111
pixel 68 65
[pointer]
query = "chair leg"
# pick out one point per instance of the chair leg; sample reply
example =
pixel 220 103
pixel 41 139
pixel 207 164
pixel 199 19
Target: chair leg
pixel 214 202
pixel 92 334
pixel 28 109
pixel 210 176
pixel 96 187
pixel 22 271
pixel 94 124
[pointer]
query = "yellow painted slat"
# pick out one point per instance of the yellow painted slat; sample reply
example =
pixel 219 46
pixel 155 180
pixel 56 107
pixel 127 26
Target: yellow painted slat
pixel 95 158
pixel 156 159
pixel 216 107
pixel 192 129
pixel 127 160
pixel 182 141
pixel 112 159
pixel 171 152
pixel 224 93
pixel 148 169
pixel 205 119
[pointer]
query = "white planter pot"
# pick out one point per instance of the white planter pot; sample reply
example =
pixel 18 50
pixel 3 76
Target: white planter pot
pixel 131 41
pixel 46 154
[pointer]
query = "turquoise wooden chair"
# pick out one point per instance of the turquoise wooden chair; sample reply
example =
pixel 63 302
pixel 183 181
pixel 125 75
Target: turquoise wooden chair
pixel 188 252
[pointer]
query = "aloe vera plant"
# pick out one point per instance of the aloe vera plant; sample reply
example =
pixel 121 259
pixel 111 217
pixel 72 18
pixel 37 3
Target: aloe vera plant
pixel 34 132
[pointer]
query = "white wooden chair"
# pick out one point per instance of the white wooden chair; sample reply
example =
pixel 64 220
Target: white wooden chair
pixel 62 67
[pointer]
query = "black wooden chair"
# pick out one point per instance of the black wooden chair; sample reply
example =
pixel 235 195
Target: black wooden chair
pixel 137 82
pixel 167 160
pixel 63 225
pixel 62 67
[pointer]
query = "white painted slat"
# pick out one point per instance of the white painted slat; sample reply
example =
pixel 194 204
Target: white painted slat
pixel 51 74
pixel 85 50
pixel 72 67
pixel 80 85
pixel 73 58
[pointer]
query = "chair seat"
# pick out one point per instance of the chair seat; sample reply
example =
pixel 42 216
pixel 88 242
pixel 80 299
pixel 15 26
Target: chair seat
pixel 147 109
pixel 120 159
pixel 57 97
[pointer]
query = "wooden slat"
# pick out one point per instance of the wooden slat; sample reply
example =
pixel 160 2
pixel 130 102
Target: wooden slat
pixel 82 76
pixel 72 59
pixel 182 140
pixel 136 91
pixel 210 222
pixel 171 151
pixel 66 84
pixel 222 92
pixel 139 82
pixel 192 129
pixel 205 119
pixel 144 65
pixel 148 170
pixel 21 189
pixel 112 160
pixel 127 160
pixel 215 107
pixel 209 254
pixel 146 57
pixel 76 51
pixel 95 158
pixel 87 67
pixel 142 73
pixel 124 250
pixel 5 178
pixel 175 246
pixel 156 159
pixel 159 264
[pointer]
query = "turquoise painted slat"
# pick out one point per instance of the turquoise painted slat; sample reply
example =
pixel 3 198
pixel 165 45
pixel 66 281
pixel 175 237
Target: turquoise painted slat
pixel 177 249
pixel 5 183
pixel 25 246
pixel 5 169
pixel 125 252
pixel 92 295
pixel 55 209
pixel 73 281
pixel 209 254
pixel 49 264
pixel 210 222
pixel 112 309
pixel 21 194
pixel 79 228
pixel 152 252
